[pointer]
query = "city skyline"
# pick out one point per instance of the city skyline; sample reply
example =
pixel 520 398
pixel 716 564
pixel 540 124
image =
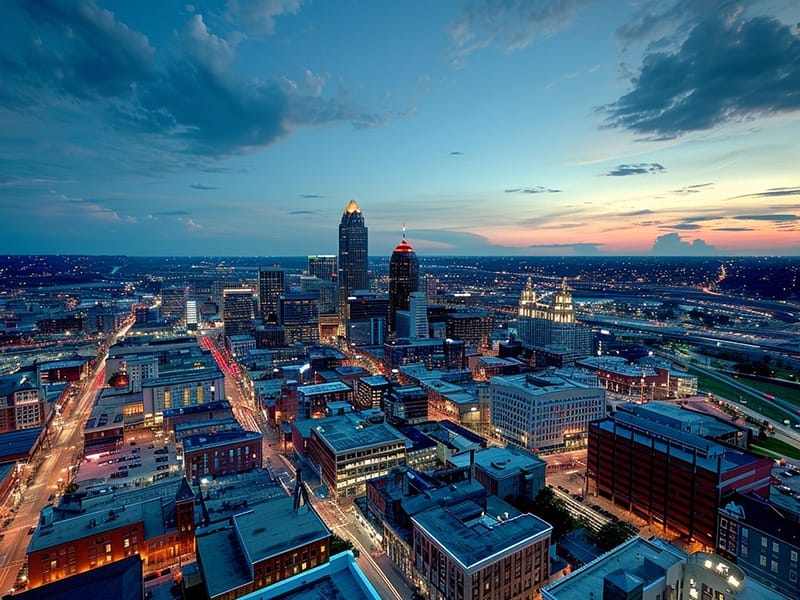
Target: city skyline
pixel 490 128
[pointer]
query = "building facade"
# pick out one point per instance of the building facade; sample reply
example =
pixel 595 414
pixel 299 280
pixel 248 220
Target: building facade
pixel 403 279
pixel 353 245
pixel 538 412
pixel 237 311
pixel 271 286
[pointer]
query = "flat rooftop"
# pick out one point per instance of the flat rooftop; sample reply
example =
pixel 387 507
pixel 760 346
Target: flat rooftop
pixel 196 409
pixel 267 529
pixel 501 462
pixel 187 376
pixel 474 538
pixel 197 442
pixel 637 557
pixel 345 433
pixel 324 388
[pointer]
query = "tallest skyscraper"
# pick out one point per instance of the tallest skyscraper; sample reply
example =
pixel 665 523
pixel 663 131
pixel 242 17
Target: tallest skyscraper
pixel 352 256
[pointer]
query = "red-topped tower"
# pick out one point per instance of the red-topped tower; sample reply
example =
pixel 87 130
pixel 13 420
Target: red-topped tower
pixel 403 279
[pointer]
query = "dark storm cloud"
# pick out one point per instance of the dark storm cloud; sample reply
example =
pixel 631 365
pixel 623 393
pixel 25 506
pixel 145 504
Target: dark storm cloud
pixel 776 218
pixel 200 186
pixel 671 244
pixel 532 190
pixel 725 70
pixel 636 169
pixel 773 193
pixel 188 99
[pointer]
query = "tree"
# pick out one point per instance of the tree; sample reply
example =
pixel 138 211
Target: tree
pixel 612 534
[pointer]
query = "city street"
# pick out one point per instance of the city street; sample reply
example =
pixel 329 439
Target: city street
pixel 57 462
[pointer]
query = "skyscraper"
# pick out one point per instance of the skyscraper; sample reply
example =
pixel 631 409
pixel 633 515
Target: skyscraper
pixel 322 266
pixel 237 311
pixel 403 279
pixel 352 256
pixel 271 286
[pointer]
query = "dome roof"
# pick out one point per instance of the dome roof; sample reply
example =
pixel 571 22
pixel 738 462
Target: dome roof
pixel 404 247
pixel 352 207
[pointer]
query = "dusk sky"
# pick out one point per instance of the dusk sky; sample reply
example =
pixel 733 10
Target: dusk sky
pixel 519 127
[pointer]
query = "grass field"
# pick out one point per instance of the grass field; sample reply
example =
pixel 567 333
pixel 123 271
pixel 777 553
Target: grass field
pixel 781 391
pixel 775 448
pixel 721 389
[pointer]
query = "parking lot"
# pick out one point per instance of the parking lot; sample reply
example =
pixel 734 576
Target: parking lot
pixel 144 457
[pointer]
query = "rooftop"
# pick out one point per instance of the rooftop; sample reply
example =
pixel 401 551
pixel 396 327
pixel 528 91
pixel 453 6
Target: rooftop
pixel 474 538
pixel 187 376
pixel 197 409
pixel 501 462
pixel 324 388
pixel 638 557
pixel 267 529
pixel 338 579
pixel 17 443
pixel 343 433
pixel 197 442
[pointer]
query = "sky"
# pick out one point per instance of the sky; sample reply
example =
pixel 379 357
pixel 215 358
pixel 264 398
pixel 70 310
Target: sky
pixel 487 127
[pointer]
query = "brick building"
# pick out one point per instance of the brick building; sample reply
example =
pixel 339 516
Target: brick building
pixel 221 453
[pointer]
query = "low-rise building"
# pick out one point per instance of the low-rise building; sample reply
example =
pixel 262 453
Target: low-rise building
pixel 506 472
pixel 539 412
pixel 462 551
pixel 268 542
pixel 221 453
pixel 349 451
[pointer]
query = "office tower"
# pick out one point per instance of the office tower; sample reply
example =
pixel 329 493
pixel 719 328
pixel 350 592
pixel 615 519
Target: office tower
pixel 475 327
pixel 237 311
pixel 193 312
pixel 367 323
pixel 271 286
pixel 418 314
pixel 325 289
pixel 322 266
pixel 173 300
pixel 299 316
pixel 430 284
pixel 539 412
pixel 352 256
pixel 403 279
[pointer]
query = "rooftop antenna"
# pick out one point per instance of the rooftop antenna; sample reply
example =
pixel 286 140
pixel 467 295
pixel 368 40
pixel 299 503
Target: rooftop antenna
pixel 404 231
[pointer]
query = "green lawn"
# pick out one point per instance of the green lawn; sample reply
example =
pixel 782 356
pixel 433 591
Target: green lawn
pixel 781 391
pixel 720 389
pixel 775 448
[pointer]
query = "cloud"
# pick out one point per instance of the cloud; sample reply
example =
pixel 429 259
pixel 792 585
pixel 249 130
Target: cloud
pixel 734 229
pixel 311 196
pixel 683 226
pixel 671 244
pixel 637 213
pixel 653 15
pixel 776 218
pixel 532 190
pixel 773 192
pixel 302 212
pixel 200 186
pixel 508 24
pixel 692 189
pixel 636 169
pixel 187 101
pixel 258 16
pixel 725 70
pixel 456 153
